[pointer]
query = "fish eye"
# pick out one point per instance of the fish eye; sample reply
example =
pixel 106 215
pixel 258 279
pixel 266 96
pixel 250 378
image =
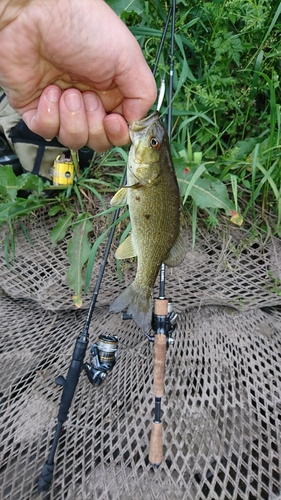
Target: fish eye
pixel 154 143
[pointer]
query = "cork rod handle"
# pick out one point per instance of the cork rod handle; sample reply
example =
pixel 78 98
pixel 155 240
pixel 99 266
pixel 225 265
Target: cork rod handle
pixel 160 348
pixel 156 447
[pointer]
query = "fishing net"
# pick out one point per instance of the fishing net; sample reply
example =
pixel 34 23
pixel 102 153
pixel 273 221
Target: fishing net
pixel 222 403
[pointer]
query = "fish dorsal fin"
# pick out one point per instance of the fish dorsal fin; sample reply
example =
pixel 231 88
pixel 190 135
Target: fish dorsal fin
pixel 120 198
pixel 177 253
pixel 126 249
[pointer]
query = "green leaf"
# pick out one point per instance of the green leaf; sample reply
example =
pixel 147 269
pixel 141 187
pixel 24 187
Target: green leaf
pixel 25 232
pixel 186 71
pixel 245 147
pixel 10 184
pixel 54 210
pixel 10 210
pixel 212 193
pixel 6 249
pixel 207 192
pixel 194 179
pixel 9 245
pixel 32 182
pixel 120 6
pixel 78 251
pixel 58 233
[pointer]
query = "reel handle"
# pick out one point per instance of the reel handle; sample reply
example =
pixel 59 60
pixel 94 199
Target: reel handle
pixel 160 348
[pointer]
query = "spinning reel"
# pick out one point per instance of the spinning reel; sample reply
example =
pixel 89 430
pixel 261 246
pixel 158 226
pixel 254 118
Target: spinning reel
pixel 103 358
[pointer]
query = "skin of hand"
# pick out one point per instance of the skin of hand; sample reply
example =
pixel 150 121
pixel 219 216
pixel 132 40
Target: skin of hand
pixel 72 69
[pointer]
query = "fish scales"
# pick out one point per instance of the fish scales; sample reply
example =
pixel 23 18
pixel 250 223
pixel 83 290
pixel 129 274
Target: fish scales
pixel 155 220
pixel 153 198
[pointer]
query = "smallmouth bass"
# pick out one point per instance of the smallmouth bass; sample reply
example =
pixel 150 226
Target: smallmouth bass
pixel 153 198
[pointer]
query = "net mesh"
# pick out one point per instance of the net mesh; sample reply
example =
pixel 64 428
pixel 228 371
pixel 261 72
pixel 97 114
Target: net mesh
pixel 222 403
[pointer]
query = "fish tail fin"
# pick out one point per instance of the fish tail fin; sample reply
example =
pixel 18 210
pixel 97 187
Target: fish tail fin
pixel 138 303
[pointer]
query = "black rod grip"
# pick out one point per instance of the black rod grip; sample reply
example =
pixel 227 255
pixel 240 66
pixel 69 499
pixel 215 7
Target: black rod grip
pixel 46 477
pixel 72 378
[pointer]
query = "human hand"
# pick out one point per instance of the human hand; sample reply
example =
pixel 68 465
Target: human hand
pixel 73 70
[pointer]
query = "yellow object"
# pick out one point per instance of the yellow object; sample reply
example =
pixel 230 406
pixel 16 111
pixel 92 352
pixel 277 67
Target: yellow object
pixel 63 171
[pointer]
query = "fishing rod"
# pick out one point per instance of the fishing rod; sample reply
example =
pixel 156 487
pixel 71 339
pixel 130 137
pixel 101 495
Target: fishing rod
pixel 103 359
pixel 164 319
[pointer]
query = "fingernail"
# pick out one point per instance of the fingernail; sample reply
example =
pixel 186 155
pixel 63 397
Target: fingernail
pixel 73 101
pixel 113 126
pixel 53 95
pixel 91 101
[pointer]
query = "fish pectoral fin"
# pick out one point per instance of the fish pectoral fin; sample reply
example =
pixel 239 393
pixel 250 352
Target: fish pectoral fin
pixel 120 198
pixel 177 253
pixel 126 249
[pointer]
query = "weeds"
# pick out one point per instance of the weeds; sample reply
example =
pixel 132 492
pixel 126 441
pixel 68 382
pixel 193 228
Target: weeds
pixel 226 89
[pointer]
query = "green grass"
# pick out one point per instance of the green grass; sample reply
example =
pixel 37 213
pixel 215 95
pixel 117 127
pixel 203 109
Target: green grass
pixel 226 100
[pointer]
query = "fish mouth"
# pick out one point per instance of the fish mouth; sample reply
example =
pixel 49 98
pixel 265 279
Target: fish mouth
pixel 144 124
